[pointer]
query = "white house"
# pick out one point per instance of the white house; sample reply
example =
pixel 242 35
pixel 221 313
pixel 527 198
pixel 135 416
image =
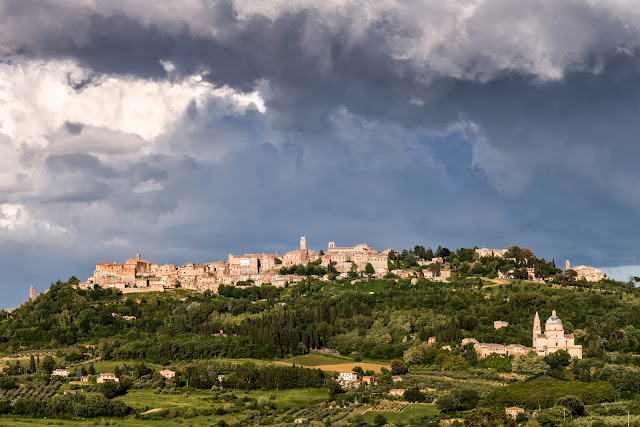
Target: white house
pixel 348 377
pixel 60 373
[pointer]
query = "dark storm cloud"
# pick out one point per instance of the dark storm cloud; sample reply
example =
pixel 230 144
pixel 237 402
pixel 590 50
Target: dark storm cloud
pixel 309 80
pixel 454 123
pixel 73 128
pixel 79 162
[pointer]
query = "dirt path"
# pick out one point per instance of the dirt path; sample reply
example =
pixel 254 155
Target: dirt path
pixel 496 282
pixel 463 380
pixel 151 411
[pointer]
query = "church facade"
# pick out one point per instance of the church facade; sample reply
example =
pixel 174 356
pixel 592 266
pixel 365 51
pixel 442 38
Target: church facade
pixel 553 338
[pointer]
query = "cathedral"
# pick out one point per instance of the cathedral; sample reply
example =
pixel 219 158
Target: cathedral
pixel 553 338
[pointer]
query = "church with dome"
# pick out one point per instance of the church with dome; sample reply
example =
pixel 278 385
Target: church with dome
pixel 553 338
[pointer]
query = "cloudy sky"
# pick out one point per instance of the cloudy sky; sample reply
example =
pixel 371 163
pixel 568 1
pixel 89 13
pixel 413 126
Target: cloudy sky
pixel 189 129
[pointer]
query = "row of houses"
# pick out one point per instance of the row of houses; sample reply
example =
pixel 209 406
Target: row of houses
pixel 107 376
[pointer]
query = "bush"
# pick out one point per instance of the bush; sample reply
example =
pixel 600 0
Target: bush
pixel 447 403
pixel 398 367
pixel 413 395
pixel 8 383
pixel 111 389
pixel 380 419
pixel 573 404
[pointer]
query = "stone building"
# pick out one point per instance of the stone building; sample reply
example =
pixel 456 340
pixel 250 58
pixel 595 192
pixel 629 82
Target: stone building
pixel 513 411
pixel 167 374
pixel 250 263
pixel 110 273
pixel 166 270
pixel 590 274
pixel 107 376
pixel 484 252
pixel 487 349
pixel 361 255
pixel 142 267
pixel 500 324
pixel 299 256
pixel 553 338
pixel 192 270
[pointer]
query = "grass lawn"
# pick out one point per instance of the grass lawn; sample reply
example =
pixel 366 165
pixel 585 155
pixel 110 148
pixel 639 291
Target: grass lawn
pixel 142 399
pixel 292 399
pixel 146 399
pixel 200 421
pixel 317 359
pixel 411 411
pixel 111 366
pixel 285 399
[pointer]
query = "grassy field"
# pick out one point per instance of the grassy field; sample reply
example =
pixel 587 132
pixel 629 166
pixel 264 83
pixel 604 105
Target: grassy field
pixel 110 366
pixel 147 399
pixel 317 359
pixel 411 411
pixel 293 399
pixel 284 399
pixel 199 421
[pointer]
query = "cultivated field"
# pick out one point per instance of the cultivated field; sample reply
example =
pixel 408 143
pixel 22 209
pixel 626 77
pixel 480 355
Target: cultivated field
pixel 334 363
pixel 199 421
pixel 316 359
pixel 348 367
pixel 411 411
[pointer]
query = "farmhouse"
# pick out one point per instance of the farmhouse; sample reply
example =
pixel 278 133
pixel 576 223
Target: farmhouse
pixel 60 373
pixel 166 373
pixel 107 377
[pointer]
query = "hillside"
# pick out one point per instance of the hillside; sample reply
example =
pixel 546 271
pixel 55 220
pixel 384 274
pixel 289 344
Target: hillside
pixel 250 335
pixel 371 318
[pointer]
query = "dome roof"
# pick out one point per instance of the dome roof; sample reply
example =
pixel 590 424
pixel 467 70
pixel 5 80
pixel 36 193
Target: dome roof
pixel 553 318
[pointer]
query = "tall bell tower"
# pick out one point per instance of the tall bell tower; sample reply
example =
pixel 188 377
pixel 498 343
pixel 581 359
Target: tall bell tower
pixel 303 242
pixel 536 328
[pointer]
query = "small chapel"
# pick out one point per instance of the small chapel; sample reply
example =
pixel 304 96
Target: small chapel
pixel 553 338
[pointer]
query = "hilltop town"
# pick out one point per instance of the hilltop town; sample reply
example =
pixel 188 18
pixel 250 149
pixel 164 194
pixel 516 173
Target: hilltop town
pixel 138 275
pixel 417 337
pixel 254 269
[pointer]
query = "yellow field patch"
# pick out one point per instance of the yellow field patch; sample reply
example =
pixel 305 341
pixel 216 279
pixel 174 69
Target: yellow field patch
pixel 348 367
